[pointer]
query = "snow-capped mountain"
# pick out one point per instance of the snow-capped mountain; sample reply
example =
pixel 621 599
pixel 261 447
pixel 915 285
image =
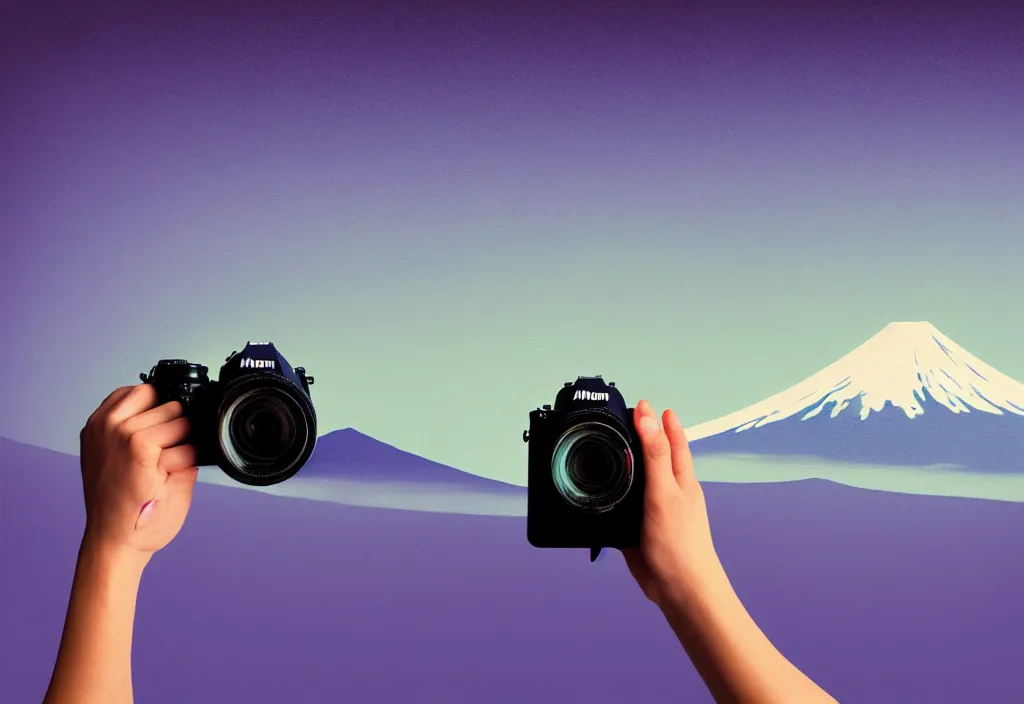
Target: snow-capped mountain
pixel 909 395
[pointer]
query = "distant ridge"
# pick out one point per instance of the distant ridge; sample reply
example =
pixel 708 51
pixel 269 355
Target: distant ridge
pixel 346 454
pixel 350 454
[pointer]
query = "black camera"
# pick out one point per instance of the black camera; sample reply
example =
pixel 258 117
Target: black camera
pixel 586 475
pixel 256 421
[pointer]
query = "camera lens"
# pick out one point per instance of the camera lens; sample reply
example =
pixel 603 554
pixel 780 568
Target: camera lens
pixel 592 466
pixel 262 429
pixel 264 434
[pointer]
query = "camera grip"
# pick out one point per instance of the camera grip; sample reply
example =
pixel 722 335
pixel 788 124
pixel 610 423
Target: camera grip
pixel 188 384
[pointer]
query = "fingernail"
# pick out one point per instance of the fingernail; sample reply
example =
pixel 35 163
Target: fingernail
pixel 647 423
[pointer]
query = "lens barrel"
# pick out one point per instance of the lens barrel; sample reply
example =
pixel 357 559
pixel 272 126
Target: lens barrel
pixel 592 466
pixel 266 429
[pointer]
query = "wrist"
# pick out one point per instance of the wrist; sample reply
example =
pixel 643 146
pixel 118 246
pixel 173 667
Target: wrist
pixel 111 564
pixel 700 588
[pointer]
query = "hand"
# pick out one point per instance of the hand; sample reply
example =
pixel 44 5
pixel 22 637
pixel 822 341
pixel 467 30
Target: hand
pixel 676 552
pixel 136 478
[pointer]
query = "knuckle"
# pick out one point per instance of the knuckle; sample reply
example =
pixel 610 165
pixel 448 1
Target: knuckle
pixel 123 431
pixel 137 443
pixel 658 447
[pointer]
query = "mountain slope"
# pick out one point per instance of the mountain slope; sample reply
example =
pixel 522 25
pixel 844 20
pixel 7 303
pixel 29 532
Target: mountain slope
pixel 349 454
pixel 909 395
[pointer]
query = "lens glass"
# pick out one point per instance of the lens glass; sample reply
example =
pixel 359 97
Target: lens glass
pixel 264 431
pixel 592 466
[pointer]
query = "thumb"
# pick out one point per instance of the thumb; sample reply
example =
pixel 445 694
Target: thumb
pixel 641 572
pixel 635 561
pixel 146 515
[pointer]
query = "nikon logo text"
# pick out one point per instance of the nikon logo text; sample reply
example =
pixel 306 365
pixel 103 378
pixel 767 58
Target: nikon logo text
pixel 582 395
pixel 257 363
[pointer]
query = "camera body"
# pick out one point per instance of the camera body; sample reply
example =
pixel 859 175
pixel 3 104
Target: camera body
pixel 585 485
pixel 256 421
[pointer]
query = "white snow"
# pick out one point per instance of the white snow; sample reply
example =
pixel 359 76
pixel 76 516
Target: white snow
pixel 895 365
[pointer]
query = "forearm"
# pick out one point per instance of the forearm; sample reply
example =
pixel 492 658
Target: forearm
pixel 733 656
pixel 94 660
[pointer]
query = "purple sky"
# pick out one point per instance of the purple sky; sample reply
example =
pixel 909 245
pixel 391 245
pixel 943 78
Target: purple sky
pixel 423 195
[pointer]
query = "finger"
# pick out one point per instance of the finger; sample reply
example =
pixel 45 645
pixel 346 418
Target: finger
pixel 682 460
pixel 656 450
pixel 165 435
pixel 176 458
pixel 154 416
pixel 112 398
pixel 140 398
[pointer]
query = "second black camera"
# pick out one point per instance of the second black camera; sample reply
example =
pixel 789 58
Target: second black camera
pixel 586 475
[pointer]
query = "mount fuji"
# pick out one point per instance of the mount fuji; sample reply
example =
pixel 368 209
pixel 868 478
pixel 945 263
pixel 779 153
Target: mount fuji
pixel 908 396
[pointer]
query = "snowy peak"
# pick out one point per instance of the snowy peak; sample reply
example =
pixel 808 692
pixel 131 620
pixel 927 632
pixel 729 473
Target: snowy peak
pixel 906 365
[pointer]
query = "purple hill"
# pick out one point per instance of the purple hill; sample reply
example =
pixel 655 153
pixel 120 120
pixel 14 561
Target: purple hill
pixel 880 597
pixel 350 454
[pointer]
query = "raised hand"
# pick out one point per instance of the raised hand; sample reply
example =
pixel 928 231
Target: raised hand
pixel 676 550
pixel 136 477
pixel 678 569
pixel 137 480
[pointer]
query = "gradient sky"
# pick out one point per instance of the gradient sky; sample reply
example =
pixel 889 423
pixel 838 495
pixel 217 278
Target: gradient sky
pixel 444 214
